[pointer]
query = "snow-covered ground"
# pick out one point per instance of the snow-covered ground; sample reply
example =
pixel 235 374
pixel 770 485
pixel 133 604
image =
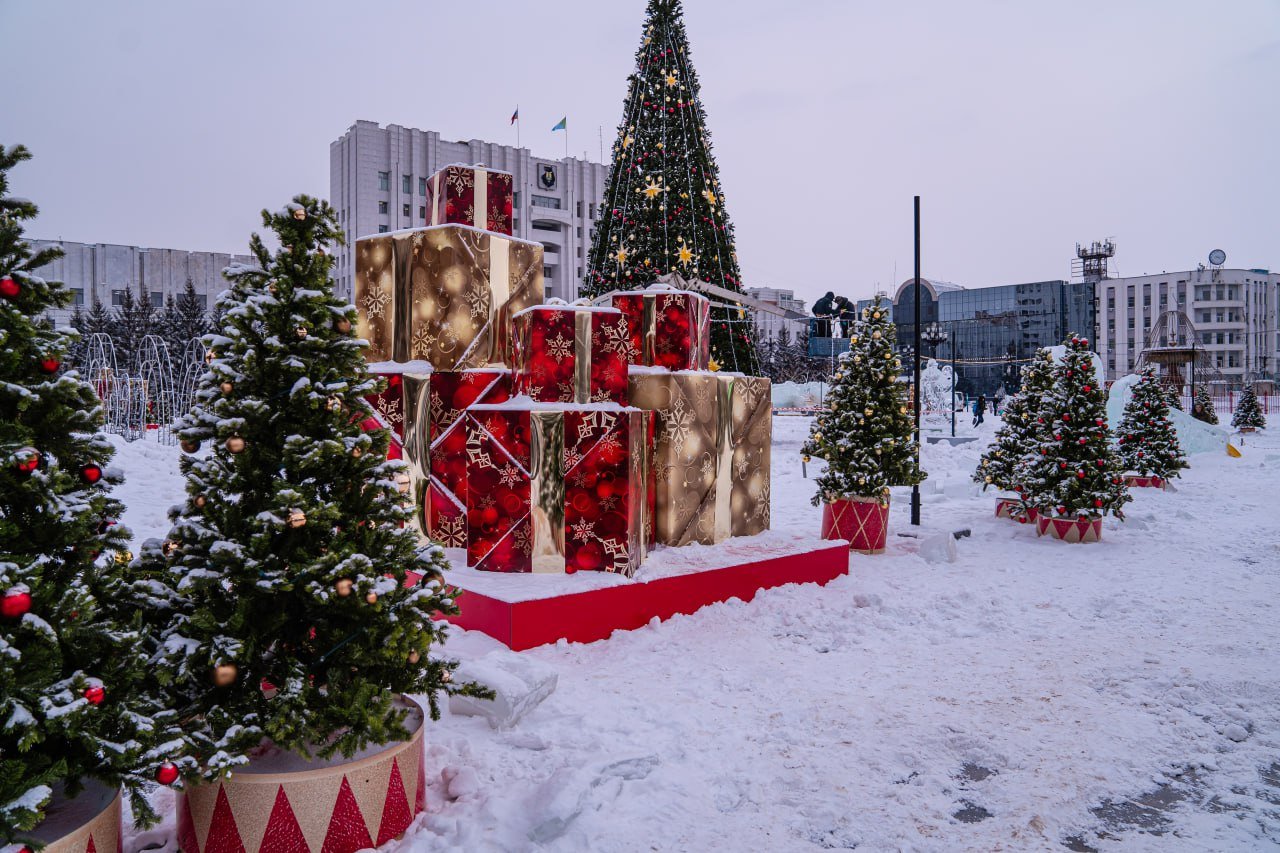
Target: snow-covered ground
pixel 1030 695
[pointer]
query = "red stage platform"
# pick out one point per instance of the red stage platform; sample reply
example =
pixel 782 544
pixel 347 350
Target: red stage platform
pixel 527 610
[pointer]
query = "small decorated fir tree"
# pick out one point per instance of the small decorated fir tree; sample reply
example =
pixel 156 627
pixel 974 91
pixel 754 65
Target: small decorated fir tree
pixel 864 433
pixel 1074 472
pixel 1202 406
pixel 286 566
pixel 1146 440
pixel 1248 414
pixel 71 659
pixel 1003 465
pixel 1173 396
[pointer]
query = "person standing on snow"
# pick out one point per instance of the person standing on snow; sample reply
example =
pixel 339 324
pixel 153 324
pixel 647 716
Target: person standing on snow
pixel 979 406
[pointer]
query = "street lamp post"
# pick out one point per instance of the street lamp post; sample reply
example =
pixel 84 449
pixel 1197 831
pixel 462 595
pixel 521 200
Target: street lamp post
pixel 934 335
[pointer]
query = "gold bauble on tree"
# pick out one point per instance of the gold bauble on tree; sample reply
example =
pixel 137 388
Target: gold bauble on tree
pixel 301 332
pixel 297 518
pixel 189 446
pixel 371 597
pixel 357 452
pixel 200 501
pixel 343 587
pixel 226 387
pixel 299 213
pixel 343 325
pixel 402 483
pixel 124 557
pixel 334 404
pixel 235 444
pixel 414 657
pixel 224 674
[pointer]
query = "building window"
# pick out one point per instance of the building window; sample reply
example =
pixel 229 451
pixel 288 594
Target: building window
pixel 579 232
pixel 383 207
pixel 406 211
pixel 515 200
pixel 1111 298
pixel 547 272
pixel 422 186
pixel 406 184
pixel 203 299
pixel 157 299
pixel 545 201
pixel 382 229
pixel 578 210
pixel 422 212
pixel 591 210
pixel 77 296
pixel 384 180
pixel 117 298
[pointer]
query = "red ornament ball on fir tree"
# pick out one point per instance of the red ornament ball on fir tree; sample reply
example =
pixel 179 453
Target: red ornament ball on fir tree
pixel 1088 388
pixel 1097 502
pixel 16 602
pixel 94 694
pixel 9 288
pixel 28 460
pixel 1079 475
pixel 49 365
pixel 167 773
pixel 91 473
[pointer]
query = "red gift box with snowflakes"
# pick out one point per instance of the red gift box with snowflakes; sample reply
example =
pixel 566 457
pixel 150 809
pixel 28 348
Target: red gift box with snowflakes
pixel 555 487
pixel 565 353
pixel 388 412
pixel 470 195
pixel 667 327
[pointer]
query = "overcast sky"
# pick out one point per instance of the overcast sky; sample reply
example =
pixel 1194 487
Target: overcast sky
pixel 1025 126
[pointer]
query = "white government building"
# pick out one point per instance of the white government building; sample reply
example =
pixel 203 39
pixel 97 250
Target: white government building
pixel 378 182
pixel 1235 313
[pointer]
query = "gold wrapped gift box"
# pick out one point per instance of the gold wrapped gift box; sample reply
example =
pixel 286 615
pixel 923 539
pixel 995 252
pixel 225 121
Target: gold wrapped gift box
pixel 444 294
pixel 710 455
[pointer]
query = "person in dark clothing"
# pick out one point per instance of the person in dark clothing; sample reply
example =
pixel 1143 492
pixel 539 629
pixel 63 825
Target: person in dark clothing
pixel 979 406
pixel 823 310
pixel 841 308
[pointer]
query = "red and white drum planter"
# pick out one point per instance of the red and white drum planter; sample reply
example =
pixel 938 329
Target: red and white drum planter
pixel 284 802
pixel 89 823
pixel 864 522
pixel 1078 529
pixel 1142 482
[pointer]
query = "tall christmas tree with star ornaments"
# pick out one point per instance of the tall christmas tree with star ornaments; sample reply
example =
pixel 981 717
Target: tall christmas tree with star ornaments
pixel 72 665
pixel 284 573
pixel 864 435
pixel 663 210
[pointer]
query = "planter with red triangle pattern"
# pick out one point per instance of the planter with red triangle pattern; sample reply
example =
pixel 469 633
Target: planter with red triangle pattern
pixel 1138 481
pixel 1012 508
pixel 862 522
pixel 284 803
pixel 1082 529
pixel 86 823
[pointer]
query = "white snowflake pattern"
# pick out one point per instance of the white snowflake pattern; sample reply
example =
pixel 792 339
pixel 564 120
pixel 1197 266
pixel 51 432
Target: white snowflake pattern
pixel 677 423
pixel 615 338
pixel 422 340
pixel 376 301
pixel 522 541
pixel 560 347
pixel 478 301
pixel 617 550
pixel 451 530
pixel 476 453
pixel 583 530
pixel 572 456
pixel 460 179
pixel 509 476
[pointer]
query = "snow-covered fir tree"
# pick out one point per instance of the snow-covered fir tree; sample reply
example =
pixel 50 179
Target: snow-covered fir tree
pixel 1173 396
pixel 864 431
pixel 664 208
pixel 1202 406
pixel 71 659
pixel 1145 437
pixel 1075 472
pixel 1248 413
pixel 1003 465
pixel 284 570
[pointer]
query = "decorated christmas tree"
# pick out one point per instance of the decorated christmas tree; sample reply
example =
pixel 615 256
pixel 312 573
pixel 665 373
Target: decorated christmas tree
pixel 1202 406
pixel 663 208
pixel 1075 473
pixel 1173 396
pixel 71 663
pixel 285 569
pixel 1003 465
pixel 864 431
pixel 1146 440
pixel 1248 414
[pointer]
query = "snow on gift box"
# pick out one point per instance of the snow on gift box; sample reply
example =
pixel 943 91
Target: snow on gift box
pixel 668 327
pixel 710 456
pixel 565 353
pixel 444 294
pixel 555 487
pixel 470 195
pixel 283 802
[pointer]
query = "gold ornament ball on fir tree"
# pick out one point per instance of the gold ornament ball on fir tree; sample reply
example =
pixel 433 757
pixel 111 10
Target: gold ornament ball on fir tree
pixel 414 657
pixel 334 404
pixel 189 446
pixel 371 597
pixel 875 335
pixel 343 325
pixel 169 547
pixel 124 557
pixel 402 483
pixel 357 452
pixel 902 410
pixel 987 479
pixel 200 501
pixel 235 444
pixel 299 214
pixel 226 387
pixel 888 355
pixel 225 674
pixel 297 518
pixel 875 315
pixel 804 459
pixel 343 587
pixel 301 332
pixel 867 412
pixel 857 359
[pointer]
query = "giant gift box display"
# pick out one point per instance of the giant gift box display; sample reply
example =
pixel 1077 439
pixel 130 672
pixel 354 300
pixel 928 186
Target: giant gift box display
pixel 667 327
pixel 571 353
pixel 470 195
pixel 444 294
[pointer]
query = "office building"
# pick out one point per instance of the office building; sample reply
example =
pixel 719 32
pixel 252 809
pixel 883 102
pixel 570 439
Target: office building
pixel 103 271
pixel 768 324
pixel 378 182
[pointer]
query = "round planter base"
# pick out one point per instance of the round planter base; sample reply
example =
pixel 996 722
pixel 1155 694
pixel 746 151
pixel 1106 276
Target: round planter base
pixel 284 802
pixel 1070 529
pixel 89 822
pixel 863 522
pixel 1141 482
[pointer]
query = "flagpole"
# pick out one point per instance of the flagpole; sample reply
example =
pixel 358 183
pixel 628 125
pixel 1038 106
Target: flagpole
pixel 517 127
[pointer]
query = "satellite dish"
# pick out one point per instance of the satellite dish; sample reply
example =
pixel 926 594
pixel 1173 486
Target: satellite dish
pixel 1217 257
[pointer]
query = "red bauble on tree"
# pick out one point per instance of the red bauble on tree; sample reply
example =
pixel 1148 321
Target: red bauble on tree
pixel 16 602
pixel 9 288
pixel 91 473
pixel 49 365
pixel 28 460
pixel 167 773
pixel 94 694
